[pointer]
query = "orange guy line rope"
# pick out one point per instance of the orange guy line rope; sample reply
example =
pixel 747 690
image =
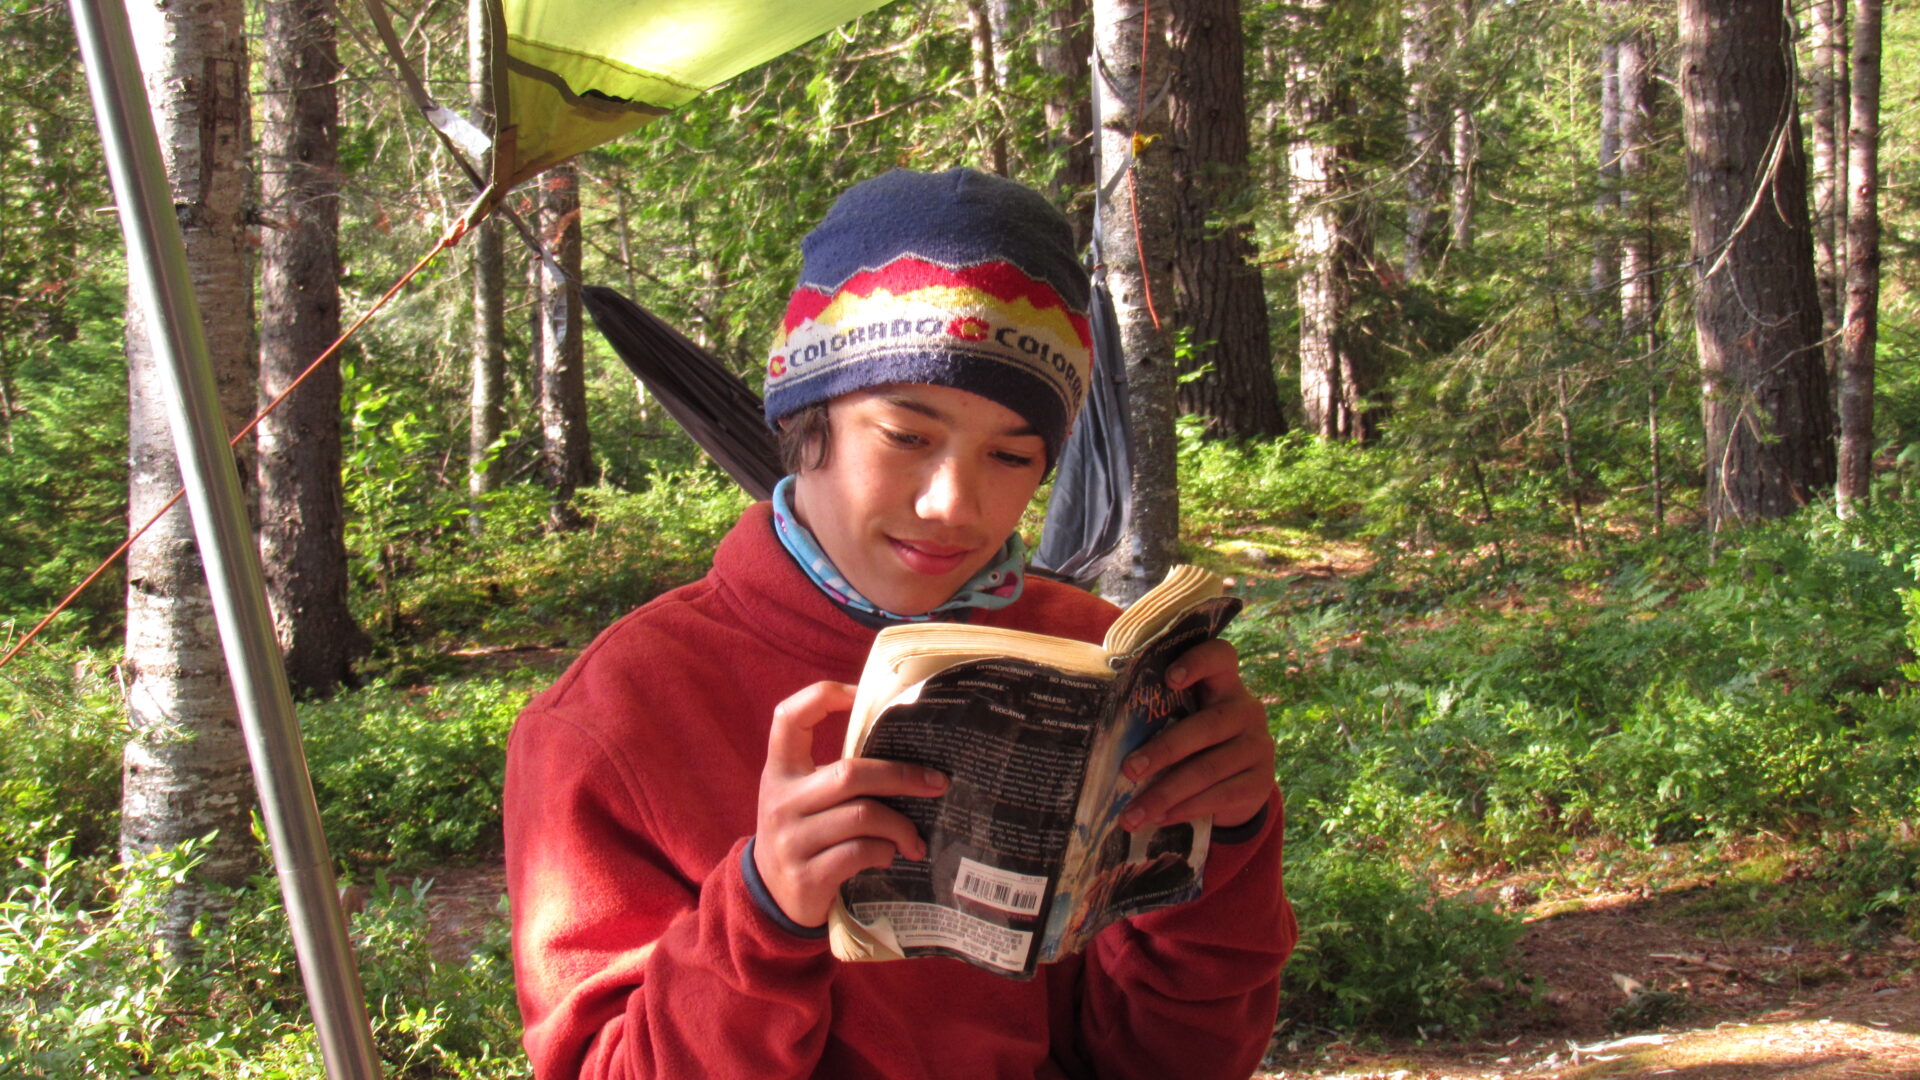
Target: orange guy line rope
pixel 452 236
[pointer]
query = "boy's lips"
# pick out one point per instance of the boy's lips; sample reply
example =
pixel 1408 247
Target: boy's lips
pixel 929 558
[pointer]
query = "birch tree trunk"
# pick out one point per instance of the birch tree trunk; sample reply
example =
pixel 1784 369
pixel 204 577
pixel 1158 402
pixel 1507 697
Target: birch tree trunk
pixel 1639 275
pixel 1217 289
pixel 303 545
pixel 1828 81
pixel 1466 146
pixel 185 772
pixel 1427 120
pixel 1639 285
pixel 487 358
pixel 566 461
pixel 1863 263
pixel 1769 425
pixel 1137 237
pixel 1466 165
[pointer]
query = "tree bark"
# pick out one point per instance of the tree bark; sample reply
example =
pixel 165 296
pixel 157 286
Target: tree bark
pixel 986 85
pixel 303 545
pixel 1604 277
pixel 1466 164
pixel 1069 112
pixel 1466 145
pixel 1422 26
pixel 1639 274
pixel 1757 310
pixel 487 359
pixel 1828 81
pixel 185 772
pixel 1863 263
pixel 1328 238
pixel 1137 238
pixel 1217 289
pixel 566 461
pixel 1639 283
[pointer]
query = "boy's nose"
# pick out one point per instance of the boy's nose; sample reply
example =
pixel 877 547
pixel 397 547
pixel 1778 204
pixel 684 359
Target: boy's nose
pixel 949 494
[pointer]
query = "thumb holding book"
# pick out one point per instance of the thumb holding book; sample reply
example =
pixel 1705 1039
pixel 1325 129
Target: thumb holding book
pixel 817 826
pixel 1218 761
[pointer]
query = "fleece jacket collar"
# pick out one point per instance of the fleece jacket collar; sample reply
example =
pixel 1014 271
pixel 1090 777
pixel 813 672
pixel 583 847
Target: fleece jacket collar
pixel 755 576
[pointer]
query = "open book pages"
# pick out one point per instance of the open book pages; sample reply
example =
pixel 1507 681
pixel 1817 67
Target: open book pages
pixel 903 656
pixel 1183 587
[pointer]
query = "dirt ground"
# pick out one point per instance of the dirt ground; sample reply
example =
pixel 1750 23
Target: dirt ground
pixel 1714 1006
pixel 1708 1005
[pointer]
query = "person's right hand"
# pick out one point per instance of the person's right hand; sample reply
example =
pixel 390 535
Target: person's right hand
pixel 820 825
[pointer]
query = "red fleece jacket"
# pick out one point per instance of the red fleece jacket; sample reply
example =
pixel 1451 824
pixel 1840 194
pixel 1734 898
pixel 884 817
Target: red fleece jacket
pixel 631 791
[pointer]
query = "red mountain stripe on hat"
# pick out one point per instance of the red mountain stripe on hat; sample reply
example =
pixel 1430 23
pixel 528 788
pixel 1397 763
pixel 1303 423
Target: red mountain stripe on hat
pixel 1001 280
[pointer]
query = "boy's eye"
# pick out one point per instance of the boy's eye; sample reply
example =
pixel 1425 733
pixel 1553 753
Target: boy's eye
pixel 901 438
pixel 1018 461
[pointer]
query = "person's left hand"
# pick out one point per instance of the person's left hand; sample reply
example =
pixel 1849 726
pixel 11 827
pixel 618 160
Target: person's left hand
pixel 1218 761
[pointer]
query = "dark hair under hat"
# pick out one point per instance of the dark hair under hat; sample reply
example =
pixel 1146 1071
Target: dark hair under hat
pixel 957 279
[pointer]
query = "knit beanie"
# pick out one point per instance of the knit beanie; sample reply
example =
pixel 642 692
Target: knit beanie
pixel 957 279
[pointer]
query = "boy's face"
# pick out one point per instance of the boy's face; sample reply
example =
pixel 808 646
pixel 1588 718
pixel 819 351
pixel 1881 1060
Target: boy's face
pixel 922 486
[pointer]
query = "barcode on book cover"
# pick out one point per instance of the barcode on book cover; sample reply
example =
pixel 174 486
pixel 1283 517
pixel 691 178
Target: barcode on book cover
pixel 1003 889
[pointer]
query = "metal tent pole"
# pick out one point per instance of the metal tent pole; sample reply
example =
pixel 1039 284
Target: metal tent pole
pixel 157 272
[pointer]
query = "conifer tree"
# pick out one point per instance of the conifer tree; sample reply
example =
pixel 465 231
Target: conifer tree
pixel 1769 426
pixel 302 504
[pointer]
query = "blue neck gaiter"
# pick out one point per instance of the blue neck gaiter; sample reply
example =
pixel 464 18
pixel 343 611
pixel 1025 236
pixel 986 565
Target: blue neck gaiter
pixel 995 586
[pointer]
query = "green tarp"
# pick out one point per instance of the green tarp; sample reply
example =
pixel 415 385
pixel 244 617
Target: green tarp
pixel 576 73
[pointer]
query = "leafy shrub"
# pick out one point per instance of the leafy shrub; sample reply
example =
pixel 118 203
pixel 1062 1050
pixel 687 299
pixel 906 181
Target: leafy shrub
pixel 1379 950
pixel 1295 479
pixel 1663 700
pixel 519 583
pixel 62 726
pixel 85 991
pixel 1681 766
pixel 411 775
pixel 1874 885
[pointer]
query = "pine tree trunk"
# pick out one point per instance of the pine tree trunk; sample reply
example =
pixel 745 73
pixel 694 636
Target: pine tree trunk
pixel 185 768
pixel 303 546
pixel 1827 80
pixel 487 359
pixel 566 459
pixel 1217 290
pixel 1137 237
pixel 1069 112
pixel 1769 425
pixel 1328 239
pixel 1863 262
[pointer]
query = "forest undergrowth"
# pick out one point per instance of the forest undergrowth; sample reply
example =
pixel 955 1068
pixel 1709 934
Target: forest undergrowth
pixel 1460 689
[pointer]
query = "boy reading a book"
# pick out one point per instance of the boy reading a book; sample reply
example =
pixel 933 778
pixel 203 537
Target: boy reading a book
pixel 677 825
